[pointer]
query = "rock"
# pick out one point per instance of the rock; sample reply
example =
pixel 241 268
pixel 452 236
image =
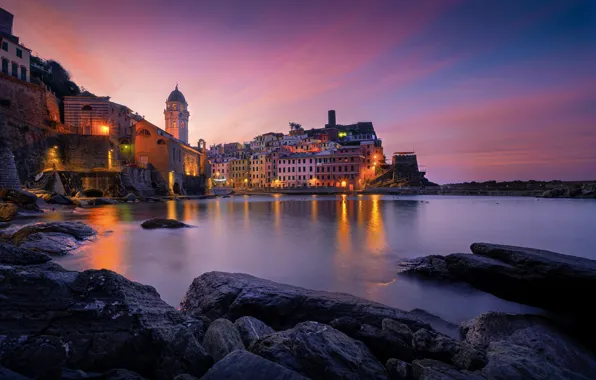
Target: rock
pixel 9 254
pixel 77 374
pixel 186 376
pixel 431 345
pixel 52 243
pixel 80 231
pixel 105 201
pixel 94 321
pixel 398 370
pixel 6 374
pixel 81 203
pixel 31 208
pixel 57 199
pixel 130 198
pixel 526 346
pixel 281 306
pixel 222 338
pixel 429 369
pixel 162 223
pixel 320 351
pixel 241 365
pixel 393 340
pixel 530 276
pixel 251 329
pixel 429 266
pixel 20 197
pixel 122 374
pixel 8 211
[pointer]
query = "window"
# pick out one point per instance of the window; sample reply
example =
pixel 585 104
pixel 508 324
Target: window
pixel 4 45
pixel 23 73
pixel 160 141
pixel 310 168
pixel 5 65
pixel 19 53
pixel 142 132
pixel 15 70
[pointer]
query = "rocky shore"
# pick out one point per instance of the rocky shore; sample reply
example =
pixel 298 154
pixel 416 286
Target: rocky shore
pixel 96 324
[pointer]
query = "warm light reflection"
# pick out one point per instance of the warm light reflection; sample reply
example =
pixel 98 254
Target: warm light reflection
pixel 171 210
pixel 314 210
pixel 375 238
pixel 107 249
pixel 344 242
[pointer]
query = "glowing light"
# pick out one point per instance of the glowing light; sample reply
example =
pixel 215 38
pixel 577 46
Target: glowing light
pixel 343 183
pixel 105 130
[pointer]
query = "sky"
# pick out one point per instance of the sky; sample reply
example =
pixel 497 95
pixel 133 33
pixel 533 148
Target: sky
pixel 481 90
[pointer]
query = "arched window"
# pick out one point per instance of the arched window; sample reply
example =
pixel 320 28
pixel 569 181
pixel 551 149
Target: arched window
pixel 181 124
pixel 124 142
pixel 174 106
pixel 87 108
pixel 144 132
pixel 161 142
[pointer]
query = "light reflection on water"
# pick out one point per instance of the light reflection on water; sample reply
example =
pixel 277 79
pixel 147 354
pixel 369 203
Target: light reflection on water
pixel 345 243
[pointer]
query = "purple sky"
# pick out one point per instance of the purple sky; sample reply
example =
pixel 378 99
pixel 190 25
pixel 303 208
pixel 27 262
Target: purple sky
pixel 480 89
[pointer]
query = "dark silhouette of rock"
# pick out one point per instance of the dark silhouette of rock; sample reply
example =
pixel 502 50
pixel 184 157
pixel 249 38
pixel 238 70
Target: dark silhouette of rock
pixel 8 211
pixel 429 369
pixel 241 365
pixel 162 223
pixel 393 340
pixel 20 197
pixel 527 346
pixel 251 329
pixel 105 201
pixel 93 321
pixel 319 351
pixel 398 370
pixel 437 323
pixel 281 306
pixel 431 345
pixel 186 376
pixel 122 374
pixel 429 266
pixel 57 199
pixel 222 338
pixel 80 231
pixel 9 254
pixel 6 374
pixel 130 198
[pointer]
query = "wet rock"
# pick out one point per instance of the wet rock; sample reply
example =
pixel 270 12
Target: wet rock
pixel 526 346
pixel 429 266
pixel 80 231
pixel 31 208
pixel 429 369
pixel 162 223
pixel 8 211
pixel 130 198
pixel 241 365
pixel 319 351
pixel 186 376
pixel 105 201
pixel 222 338
pixel 57 199
pixel 251 329
pixel 20 197
pixel 281 306
pixel 6 374
pixel 77 374
pixel 9 254
pixel 93 321
pixel 437 323
pixel 52 243
pixel 398 370
pixel 122 374
pixel 431 345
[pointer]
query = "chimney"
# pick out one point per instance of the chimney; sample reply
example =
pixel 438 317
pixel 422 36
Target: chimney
pixel 331 118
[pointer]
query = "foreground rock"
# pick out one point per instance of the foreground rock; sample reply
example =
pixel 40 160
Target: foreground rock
pixel 20 197
pixel 55 238
pixel 162 223
pixel 92 321
pixel 319 351
pixel 530 276
pixel 9 254
pixel 222 338
pixel 251 330
pixel 242 365
pixel 78 230
pixel 528 347
pixel 429 344
pixel 57 199
pixel 281 306
pixel 8 211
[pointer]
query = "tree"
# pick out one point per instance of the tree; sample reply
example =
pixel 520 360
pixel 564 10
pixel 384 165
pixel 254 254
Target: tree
pixel 295 126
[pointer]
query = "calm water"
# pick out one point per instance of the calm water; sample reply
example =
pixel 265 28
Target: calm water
pixel 350 244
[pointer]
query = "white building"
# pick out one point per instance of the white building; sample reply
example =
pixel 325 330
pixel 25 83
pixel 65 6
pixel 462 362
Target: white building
pixel 16 58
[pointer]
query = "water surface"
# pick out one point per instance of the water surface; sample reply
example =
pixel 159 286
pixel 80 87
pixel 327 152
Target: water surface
pixel 338 243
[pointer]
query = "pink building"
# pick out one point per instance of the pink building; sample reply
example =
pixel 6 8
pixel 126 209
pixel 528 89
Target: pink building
pixel 296 170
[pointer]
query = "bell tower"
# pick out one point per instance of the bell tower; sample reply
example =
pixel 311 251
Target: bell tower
pixel 176 114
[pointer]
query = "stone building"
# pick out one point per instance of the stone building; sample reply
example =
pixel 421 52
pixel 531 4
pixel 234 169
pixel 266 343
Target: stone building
pixel 16 58
pixel 177 115
pixel 240 172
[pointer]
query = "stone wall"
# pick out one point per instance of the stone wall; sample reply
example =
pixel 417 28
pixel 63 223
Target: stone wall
pixel 194 185
pixel 8 171
pixel 85 152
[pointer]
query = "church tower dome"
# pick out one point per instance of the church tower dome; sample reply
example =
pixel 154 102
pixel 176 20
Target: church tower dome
pixel 176 115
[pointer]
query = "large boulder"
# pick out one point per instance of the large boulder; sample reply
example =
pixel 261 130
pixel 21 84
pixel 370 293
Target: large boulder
pixel 130 198
pixel 9 254
pixel 6 374
pixel 162 223
pixel 320 352
pixel 429 266
pixel 53 243
pixel 80 231
pixel 8 211
pixel 281 306
pixel 251 329
pixel 241 365
pixel 432 345
pixel 526 346
pixel 222 338
pixel 57 199
pixel 20 197
pixel 94 321
pixel 430 369
pixel 398 370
